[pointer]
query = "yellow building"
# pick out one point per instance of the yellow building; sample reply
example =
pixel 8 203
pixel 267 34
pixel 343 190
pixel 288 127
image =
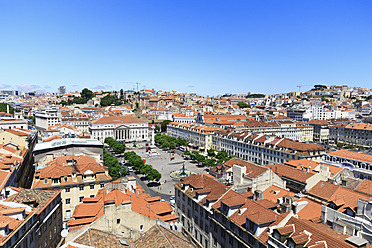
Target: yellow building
pixel 79 177
pixel 20 137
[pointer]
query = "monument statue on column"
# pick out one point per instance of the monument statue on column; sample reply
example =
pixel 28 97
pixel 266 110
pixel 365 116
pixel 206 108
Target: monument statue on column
pixel 152 151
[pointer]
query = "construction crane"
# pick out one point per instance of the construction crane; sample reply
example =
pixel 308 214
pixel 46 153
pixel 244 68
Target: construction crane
pixel 301 85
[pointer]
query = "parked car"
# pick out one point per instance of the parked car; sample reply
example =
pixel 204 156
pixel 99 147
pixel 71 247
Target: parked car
pixel 172 200
pixel 130 169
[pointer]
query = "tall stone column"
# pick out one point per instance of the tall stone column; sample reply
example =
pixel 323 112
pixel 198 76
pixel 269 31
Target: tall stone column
pixel 152 135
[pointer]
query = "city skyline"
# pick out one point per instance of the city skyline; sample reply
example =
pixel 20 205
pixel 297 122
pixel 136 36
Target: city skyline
pixel 209 47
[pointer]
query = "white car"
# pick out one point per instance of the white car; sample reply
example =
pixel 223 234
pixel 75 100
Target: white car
pixel 172 200
pixel 130 169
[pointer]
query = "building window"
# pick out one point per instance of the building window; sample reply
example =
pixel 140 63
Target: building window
pixel 68 200
pixel 55 180
pixel 91 196
pixel 101 185
pixel 141 228
pixel 81 198
pixel 117 221
pixel 91 186
pixel 46 180
pixel 81 187
pixel 67 190
pixel 68 213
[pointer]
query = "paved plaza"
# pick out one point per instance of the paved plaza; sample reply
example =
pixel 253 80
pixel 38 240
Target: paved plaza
pixel 165 166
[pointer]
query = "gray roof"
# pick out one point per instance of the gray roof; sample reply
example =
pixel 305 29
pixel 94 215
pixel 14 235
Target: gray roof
pixel 65 142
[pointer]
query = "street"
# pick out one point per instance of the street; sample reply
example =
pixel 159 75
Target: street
pixel 165 166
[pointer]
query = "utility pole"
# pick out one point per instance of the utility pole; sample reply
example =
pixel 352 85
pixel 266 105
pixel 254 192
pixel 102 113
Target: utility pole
pixel 137 85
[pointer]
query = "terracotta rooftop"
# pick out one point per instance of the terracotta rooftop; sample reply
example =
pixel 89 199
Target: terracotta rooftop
pixel 100 239
pixel 319 233
pixel 28 196
pixel 253 170
pixel 158 236
pixel 352 155
pixel 365 187
pixel 290 172
pixel 117 120
pixel 342 197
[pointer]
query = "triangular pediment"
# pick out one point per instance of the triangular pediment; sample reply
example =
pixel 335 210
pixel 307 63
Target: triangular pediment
pixel 121 127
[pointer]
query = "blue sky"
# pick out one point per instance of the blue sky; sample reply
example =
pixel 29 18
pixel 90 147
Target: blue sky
pixel 208 47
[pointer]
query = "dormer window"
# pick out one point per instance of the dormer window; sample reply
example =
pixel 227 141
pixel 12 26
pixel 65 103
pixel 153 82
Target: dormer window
pixel 46 180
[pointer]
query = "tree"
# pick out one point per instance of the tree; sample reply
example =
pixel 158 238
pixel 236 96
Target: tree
pixel 164 125
pixel 194 155
pixel 145 169
pixel 319 87
pixel 349 147
pixel 110 100
pixel 3 108
pixel 187 153
pixel 172 145
pixel 211 152
pixel 255 96
pixel 340 144
pixel 166 144
pixel 243 105
pixel 200 158
pixel 210 162
pixel 221 155
pixel 87 94
pixel 181 142
pixel 115 169
pixel 154 175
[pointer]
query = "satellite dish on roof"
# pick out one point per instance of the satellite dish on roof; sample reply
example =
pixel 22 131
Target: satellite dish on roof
pixel 64 233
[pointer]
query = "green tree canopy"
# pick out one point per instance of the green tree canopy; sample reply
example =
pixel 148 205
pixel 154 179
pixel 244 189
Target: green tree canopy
pixel 210 162
pixel 200 158
pixel 164 125
pixel 221 155
pixel 87 94
pixel 3 108
pixel 255 96
pixel 211 152
pixel 243 105
pixel 154 175
pixel 187 153
pixel 110 100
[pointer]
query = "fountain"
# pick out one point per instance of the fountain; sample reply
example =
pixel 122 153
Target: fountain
pixel 183 172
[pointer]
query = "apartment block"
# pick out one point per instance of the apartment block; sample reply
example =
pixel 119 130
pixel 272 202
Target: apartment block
pixel 47 117
pixel 265 149
pixel 359 163
pixel 31 218
pixel 359 134
pixel 78 177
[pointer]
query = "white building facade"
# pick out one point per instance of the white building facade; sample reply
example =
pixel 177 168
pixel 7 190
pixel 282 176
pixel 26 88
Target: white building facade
pixel 48 117
pixel 123 128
